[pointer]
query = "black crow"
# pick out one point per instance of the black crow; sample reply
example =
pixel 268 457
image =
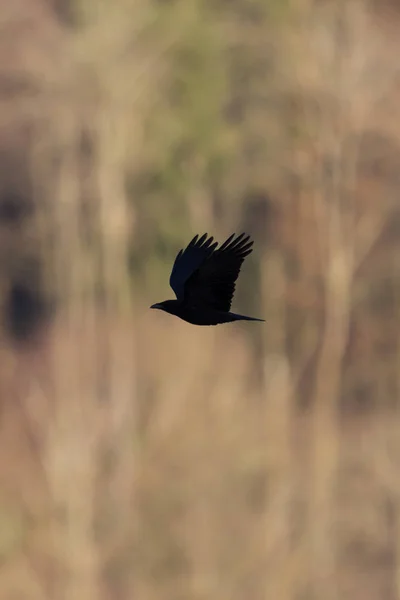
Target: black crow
pixel 203 278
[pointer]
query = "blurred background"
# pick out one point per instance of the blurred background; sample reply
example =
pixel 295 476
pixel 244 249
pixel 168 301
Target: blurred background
pixel 141 457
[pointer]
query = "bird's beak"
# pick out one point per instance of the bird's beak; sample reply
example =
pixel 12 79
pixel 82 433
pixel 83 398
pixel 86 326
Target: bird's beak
pixel 155 306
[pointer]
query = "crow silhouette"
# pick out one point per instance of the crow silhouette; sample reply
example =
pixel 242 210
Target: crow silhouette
pixel 203 278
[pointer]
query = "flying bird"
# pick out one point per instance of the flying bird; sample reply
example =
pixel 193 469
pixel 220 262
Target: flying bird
pixel 203 278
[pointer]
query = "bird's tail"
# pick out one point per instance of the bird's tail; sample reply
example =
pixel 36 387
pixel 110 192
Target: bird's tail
pixel 237 317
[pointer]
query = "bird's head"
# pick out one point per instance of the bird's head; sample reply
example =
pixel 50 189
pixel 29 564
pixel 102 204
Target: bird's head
pixel 169 306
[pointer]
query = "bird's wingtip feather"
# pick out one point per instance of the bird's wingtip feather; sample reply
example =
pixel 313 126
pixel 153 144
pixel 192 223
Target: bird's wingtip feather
pixel 202 239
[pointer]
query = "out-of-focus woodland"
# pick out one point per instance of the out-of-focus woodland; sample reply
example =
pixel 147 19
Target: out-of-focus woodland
pixel 144 458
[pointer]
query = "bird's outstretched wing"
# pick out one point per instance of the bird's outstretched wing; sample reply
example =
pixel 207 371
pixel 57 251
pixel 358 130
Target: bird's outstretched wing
pixel 189 260
pixel 213 282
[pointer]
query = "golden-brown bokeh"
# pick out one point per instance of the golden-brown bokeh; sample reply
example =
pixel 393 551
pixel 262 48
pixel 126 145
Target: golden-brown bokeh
pixel 141 457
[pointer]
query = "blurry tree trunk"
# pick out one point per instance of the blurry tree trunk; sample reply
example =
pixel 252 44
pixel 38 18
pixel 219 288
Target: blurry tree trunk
pixel 71 467
pixel 72 438
pixel 68 258
pixel 92 363
pixel 386 464
pixel 199 201
pixel 116 363
pixel 113 214
pixel 278 423
pixel 325 429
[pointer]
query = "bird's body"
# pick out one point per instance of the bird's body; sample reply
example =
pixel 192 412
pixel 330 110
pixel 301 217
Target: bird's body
pixel 203 278
pixel 204 316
